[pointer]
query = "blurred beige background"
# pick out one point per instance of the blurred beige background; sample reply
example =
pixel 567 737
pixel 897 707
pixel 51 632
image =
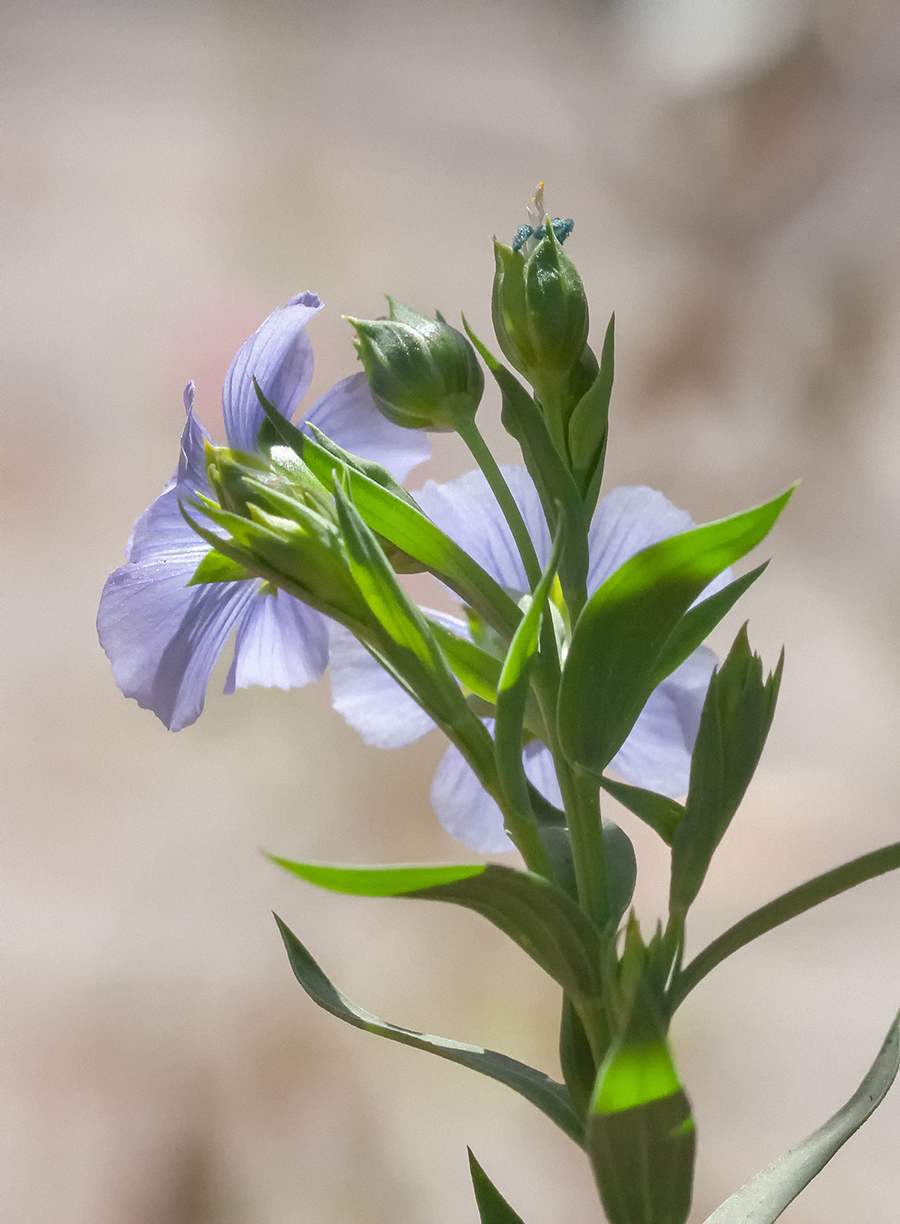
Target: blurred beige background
pixel 172 173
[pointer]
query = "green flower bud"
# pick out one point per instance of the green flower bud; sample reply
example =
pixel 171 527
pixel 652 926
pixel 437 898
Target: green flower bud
pixel 422 372
pixel 540 310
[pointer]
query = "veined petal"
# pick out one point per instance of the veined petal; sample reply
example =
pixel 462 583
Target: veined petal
pixel 162 637
pixel 466 810
pixel 468 512
pixel 541 772
pixel 464 807
pixel 348 415
pixel 161 530
pixel 279 356
pixel 369 699
pixel 627 520
pixel 657 753
pixel 280 643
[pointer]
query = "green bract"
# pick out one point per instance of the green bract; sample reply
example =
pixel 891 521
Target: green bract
pixel 422 372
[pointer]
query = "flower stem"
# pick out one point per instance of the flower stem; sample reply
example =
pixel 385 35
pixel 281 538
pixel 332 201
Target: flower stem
pixel 471 435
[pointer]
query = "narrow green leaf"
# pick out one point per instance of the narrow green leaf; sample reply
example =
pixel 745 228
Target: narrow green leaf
pixel 613 663
pixel 698 623
pixel 492 1206
pixel 765 1196
pixel 534 913
pixel 401 622
pixel 790 905
pixel 662 814
pixel 550 1097
pixel 218 568
pixel 386 881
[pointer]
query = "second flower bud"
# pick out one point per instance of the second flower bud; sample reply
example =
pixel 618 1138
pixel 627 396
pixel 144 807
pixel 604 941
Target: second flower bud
pixel 423 373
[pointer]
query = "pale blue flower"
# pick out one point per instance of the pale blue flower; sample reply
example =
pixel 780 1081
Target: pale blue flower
pixel 164 637
pixel 657 753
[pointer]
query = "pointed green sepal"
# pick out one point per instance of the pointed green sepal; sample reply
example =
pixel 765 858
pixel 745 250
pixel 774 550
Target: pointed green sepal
pixel 217 568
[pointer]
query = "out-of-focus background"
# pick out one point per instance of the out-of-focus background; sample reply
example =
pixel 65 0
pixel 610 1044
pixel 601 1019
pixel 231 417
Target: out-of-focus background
pixel 172 173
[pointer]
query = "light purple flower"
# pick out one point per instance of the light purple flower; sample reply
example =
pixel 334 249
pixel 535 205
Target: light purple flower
pixel 656 754
pixel 164 637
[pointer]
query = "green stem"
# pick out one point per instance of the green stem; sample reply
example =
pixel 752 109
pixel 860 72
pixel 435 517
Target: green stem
pixel 581 802
pixel 581 798
pixel 471 435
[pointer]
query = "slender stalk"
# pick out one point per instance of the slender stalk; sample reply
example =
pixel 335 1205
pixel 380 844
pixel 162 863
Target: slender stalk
pixel 471 435
pixel 581 802
pixel 581 799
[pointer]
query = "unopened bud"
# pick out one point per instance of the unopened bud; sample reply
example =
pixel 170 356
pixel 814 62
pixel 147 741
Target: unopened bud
pixel 422 372
pixel 539 310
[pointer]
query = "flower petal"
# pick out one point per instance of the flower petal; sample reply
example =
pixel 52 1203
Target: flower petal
pixel 368 698
pixel 468 512
pixel 657 753
pixel 464 807
pixel 349 416
pixel 162 637
pixel 632 518
pixel 280 643
pixel 541 772
pixel 161 530
pixel 279 356
pixel 467 811
pixel 626 521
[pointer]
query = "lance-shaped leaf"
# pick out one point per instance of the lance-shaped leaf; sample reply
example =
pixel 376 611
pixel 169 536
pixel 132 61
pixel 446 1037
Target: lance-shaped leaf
pixel 550 1097
pixel 619 641
pixel 662 814
pixel 492 1206
pixel 640 1134
pixel 698 623
pixel 734 723
pixel 588 426
pixel 765 1196
pixel 560 499
pixel 403 625
pixel 790 905
pixel 537 915
pixel 391 512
